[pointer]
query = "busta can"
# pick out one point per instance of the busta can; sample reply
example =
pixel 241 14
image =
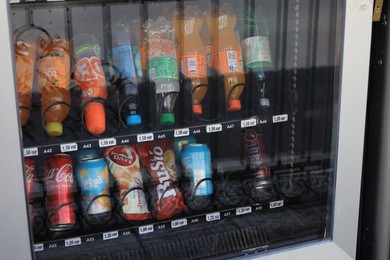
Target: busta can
pixel 58 176
pixel 93 180
pixel 196 162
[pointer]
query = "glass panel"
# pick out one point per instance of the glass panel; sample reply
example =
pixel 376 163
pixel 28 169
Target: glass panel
pixel 182 129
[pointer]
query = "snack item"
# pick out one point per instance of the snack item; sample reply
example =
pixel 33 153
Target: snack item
pixel 159 159
pixel 123 163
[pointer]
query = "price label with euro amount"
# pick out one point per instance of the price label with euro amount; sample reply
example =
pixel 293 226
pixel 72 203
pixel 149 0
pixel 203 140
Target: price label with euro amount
pixel 243 210
pixel 146 229
pixel 70 147
pixel 213 128
pixel 276 204
pixel 110 235
pixel 213 216
pixel 181 132
pixel 145 137
pixel 73 242
pixel 248 122
pixel 280 118
pixel 38 247
pixel 107 142
pixel 30 152
pixel 179 223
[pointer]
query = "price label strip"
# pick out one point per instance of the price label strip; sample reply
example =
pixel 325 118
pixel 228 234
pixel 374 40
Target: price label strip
pixel 146 229
pixel 243 210
pixel 248 122
pixel 280 118
pixel 213 128
pixel 145 137
pixel 30 152
pixel 110 235
pixel 213 216
pixel 179 223
pixel 276 204
pixel 107 142
pixel 181 132
pixel 38 247
pixel 73 242
pixel 70 147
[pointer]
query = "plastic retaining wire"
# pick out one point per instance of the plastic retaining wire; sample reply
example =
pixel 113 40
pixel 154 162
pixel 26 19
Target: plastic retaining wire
pixel 88 216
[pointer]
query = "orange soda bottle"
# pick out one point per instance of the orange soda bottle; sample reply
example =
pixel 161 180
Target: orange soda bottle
pixel 226 49
pixel 54 81
pixel 25 60
pixel 193 56
pixel 89 76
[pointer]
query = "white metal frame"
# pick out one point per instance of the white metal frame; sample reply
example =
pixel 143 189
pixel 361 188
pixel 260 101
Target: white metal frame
pixel 14 231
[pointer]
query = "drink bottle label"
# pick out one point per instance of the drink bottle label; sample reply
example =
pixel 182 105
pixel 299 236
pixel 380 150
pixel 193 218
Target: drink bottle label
pixel 256 49
pixel 209 56
pixel 24 73
pixel 137 60
pixel 54 70
pixel 194 65
pixel 122 58
pixel 163 67
pixel 228 61
pixel 161 48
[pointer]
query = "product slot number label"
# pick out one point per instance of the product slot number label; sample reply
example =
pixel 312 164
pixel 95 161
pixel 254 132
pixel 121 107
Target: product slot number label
pixel 280 118
pixel 38 247
pixel 243 210
pixel 145 137
pixel 213 216
pixel 146 229
pixel 30 152
pixel 73 242
pixel 213 128
pixel 276 204
pixel 107 142
pixel 248 122
pixel 110 235
pixel 179 223
pixel 70 147
pixel 181 132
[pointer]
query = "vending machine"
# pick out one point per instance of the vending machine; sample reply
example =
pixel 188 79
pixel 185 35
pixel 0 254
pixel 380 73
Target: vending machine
pixel 182 129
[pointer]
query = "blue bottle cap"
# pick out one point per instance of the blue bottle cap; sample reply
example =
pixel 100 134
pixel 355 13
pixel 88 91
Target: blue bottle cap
pixel 133 120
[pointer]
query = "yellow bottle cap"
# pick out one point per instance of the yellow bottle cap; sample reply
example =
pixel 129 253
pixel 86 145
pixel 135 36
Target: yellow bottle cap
pixel 54 128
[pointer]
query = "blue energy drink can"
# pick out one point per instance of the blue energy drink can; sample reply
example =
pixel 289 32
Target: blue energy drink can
pixel 92 176
pixel 196 162
pixel 180 142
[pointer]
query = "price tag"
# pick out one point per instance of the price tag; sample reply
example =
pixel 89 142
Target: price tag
pixel 107 142
pixel 280 118
pixel 110 235
pixel 145 137
pixel 213 216
pixel 146 229
pixel 243 210
pixel 179 223
pixel 248 122
pixel 276 204
pixel 30 152
pixel 213 128
pixel 181 132
pixel 73 242
pixel 70 147
pixel 38 247
pixel 14 1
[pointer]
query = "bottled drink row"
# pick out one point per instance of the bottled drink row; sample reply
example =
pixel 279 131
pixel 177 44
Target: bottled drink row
pixel 179 171
pixel 162 52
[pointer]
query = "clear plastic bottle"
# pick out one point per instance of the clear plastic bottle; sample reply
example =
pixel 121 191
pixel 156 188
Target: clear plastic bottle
pixel 162 67
pixel 226 49
pixel 54 81
pixel 89 76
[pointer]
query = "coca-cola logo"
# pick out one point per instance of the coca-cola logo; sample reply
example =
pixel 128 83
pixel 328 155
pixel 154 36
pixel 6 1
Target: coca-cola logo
pixel 30 173
pixel 63 174
pixel 123 157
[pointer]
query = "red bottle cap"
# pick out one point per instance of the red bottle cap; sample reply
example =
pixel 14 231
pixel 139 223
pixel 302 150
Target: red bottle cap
pixel 95 118
pixel 197 109
pixel 234 105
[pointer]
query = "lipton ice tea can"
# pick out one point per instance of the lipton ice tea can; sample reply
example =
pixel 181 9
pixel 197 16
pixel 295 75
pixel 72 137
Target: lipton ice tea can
pixel 92 175
pixel 58 176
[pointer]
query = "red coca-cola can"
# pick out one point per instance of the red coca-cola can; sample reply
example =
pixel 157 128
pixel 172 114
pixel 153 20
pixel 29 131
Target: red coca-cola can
pixel 31 175
pixel 58 176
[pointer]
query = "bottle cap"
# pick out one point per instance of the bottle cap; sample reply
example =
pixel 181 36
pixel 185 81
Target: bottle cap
pixel 133 120
pixel 167 119
pixel 54 128
pixel 95 118
pixel 235 104
pixel 197 109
